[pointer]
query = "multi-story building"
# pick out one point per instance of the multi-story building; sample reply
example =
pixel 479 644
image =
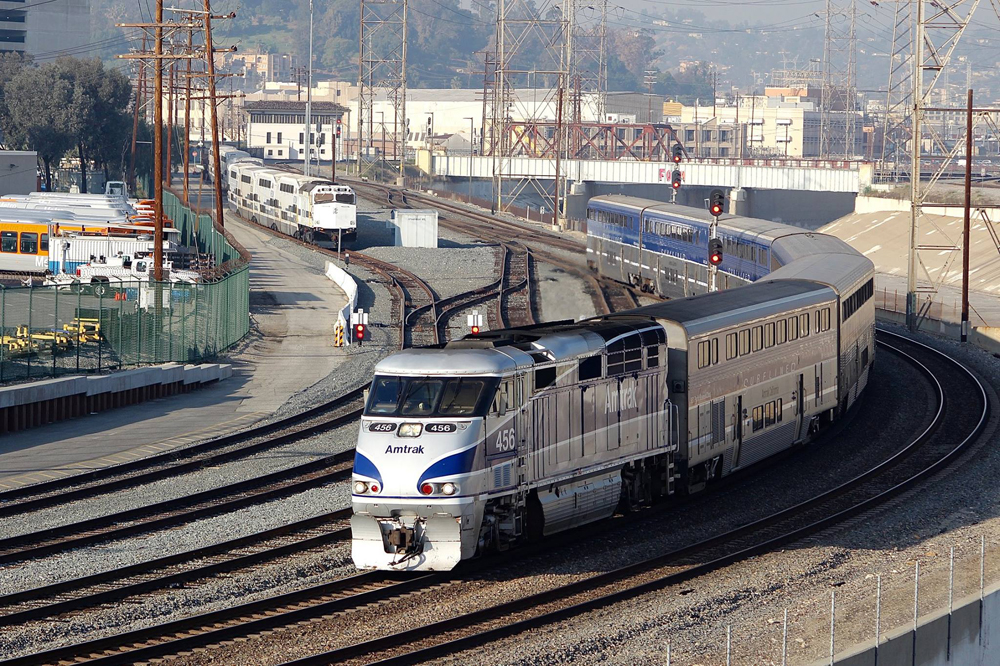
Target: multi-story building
pixel 276 130
pixel 48 28
pixel 256 67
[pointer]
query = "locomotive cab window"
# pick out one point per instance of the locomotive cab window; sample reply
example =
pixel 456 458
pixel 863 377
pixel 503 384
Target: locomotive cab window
pixel 590 368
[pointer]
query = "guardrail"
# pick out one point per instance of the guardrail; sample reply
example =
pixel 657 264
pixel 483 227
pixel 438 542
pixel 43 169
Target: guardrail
pixel 47 331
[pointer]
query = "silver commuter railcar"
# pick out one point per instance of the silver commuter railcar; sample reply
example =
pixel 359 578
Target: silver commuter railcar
pixel 572 420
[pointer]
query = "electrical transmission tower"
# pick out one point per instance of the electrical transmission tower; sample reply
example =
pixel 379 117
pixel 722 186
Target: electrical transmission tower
pixel 526 81
pixel 382 72
pixel 896 122
pixel 588 66
pixel 937 30
pixel 838 108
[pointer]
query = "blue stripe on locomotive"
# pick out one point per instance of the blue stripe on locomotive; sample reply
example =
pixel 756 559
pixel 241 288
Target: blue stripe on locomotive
pixel 665 245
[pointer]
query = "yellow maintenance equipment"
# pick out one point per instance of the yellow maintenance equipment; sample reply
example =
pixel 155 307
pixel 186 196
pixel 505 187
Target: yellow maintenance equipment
pixel 45 338
pixel 85 330
pixel 13 347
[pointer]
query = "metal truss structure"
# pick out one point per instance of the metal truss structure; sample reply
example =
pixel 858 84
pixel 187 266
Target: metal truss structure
pixel 896 121
pixel 588 66
pixel 527 81
pixel 647 142
pixel 382 71
pixel 938 29
pixel 838 108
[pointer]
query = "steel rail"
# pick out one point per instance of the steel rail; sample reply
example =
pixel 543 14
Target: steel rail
pixel 171 463
pixel 182 510
pixel 42 597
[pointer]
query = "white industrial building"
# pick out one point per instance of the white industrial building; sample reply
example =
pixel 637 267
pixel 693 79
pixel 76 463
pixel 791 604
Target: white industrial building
pixel 276 130
pixel 44 29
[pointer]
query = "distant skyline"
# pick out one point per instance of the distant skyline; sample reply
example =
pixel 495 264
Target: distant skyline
pixel 752 11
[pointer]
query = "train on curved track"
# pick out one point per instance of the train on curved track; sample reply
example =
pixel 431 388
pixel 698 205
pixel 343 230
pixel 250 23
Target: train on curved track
pixel 512 434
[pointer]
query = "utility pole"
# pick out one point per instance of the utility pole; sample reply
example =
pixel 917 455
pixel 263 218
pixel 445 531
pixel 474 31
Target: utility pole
pixel 966 219
pixel 309 84
pixel 158 147
pixel 140 86
pixel 187 116
pixel 210 63
pixel 170 121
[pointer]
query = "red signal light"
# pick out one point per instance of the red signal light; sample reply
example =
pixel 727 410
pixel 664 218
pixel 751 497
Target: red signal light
pixel 715 259
pixel 359 331
pixel 677 184
pixel 716 210
pixel 475 330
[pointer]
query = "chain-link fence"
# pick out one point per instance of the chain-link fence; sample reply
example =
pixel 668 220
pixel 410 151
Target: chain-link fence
pixel 47 331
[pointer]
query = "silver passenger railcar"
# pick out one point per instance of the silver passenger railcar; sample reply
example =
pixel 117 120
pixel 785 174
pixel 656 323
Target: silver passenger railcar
pixel 523 432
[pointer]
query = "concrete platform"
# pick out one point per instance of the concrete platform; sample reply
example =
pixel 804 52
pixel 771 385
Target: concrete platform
pixel 295 308
pixel 883 237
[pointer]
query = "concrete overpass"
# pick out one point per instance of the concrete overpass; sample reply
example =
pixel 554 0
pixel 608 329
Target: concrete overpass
pixel 807 192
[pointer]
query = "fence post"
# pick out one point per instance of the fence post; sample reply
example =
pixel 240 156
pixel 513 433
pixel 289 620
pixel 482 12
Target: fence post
pixel 197 290
pixel 79 327
pixel 3 329
pixel 951 597
pixel 668 653
pixel 982 582
pixel 31 293
pixel 784 639
pixel 55 326
pixel 916 606
pixel 100 322
pixel 729 644
pixel 833 617
pixel 184 350
pixel 878 614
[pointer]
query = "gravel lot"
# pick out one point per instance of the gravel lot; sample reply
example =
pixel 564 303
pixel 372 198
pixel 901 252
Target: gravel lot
pixel 785 482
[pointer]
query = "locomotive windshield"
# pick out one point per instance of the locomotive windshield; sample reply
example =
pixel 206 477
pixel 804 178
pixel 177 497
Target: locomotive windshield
pixel 431 396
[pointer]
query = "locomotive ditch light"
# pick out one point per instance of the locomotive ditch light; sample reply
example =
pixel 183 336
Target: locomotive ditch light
pixel 410 429
pixel 360 487
pixel 449 488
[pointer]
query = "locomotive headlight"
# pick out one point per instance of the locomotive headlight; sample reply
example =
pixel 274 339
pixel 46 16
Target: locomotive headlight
pixel 449 488
pixel 360 487
pixel 410 429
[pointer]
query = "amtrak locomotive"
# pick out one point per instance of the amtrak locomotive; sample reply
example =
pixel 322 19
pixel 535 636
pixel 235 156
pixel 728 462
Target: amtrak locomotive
pixel 525 432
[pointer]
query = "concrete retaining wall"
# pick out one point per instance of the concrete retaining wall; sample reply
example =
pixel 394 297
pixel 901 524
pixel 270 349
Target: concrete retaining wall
pixel 966 637
pixel 344 280
pixel 879 204
pixel 31 405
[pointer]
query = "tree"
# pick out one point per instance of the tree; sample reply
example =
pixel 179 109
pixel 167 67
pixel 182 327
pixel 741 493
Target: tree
pixel 37 99
pixel 11 64
pixel 96 115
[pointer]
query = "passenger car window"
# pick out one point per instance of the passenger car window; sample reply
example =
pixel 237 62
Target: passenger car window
pixel 8 241
pixel 758 338
pixel 29 243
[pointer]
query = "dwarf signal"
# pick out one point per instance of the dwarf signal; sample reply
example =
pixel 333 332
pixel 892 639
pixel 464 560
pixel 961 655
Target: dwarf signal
pixel 475 322
pixel 359 325
pixel 714 251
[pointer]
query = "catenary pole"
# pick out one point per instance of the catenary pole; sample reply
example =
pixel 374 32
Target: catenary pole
pixel 966 220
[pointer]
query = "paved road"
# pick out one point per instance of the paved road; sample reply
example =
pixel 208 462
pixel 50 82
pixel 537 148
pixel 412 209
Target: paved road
pixel 294 308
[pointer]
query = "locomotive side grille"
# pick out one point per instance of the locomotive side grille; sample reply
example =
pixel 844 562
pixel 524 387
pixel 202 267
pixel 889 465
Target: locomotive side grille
pixel 719 421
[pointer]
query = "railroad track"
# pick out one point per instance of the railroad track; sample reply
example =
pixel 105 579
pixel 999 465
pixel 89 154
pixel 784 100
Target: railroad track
pixel 515 306
pixel 183 510
pixel 606 294
pixel 113 586
pixel 174 463
pixel 953 428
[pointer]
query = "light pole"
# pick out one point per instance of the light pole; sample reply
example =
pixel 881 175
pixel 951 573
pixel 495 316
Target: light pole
pixel 381 121
pixel 309 84
pixel 472 132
